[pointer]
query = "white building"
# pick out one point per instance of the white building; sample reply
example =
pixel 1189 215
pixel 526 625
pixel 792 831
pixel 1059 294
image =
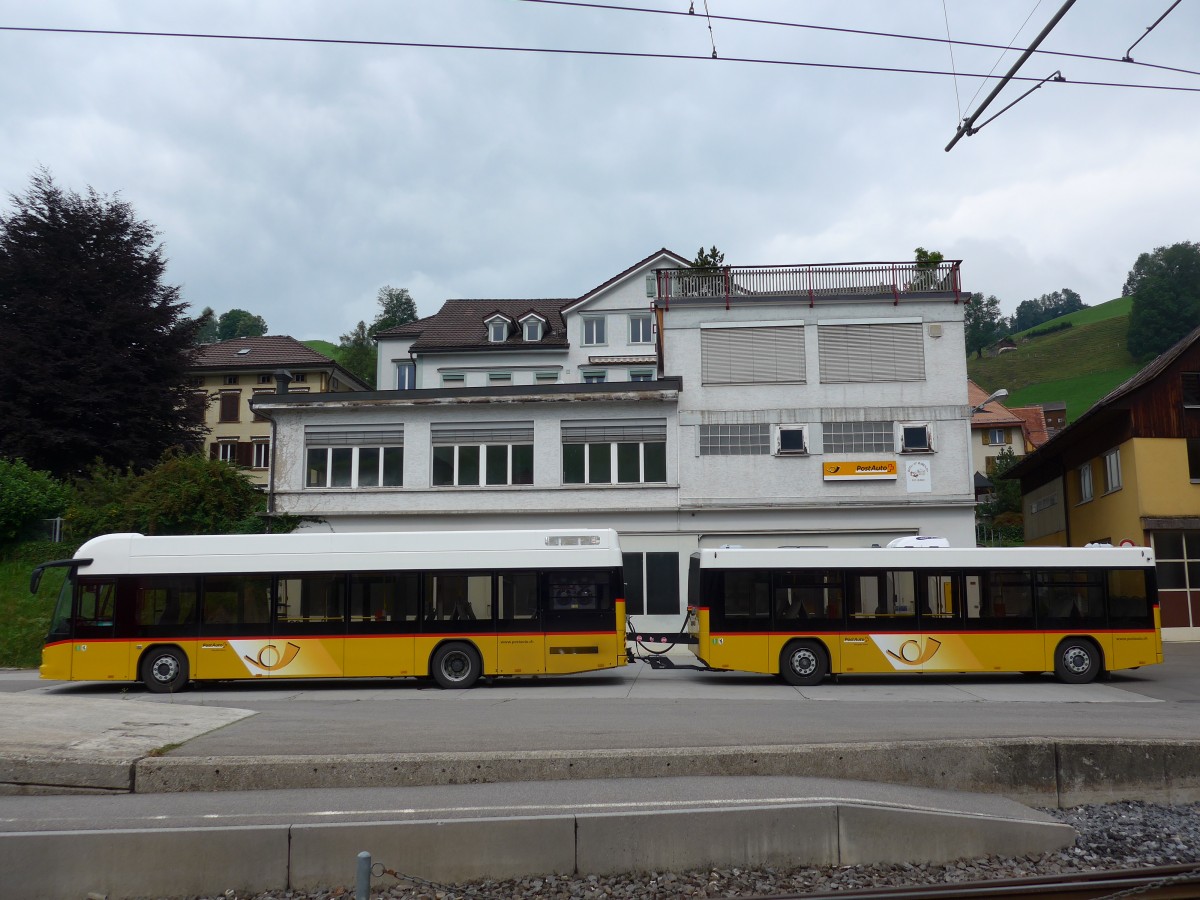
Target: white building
pixel 766 406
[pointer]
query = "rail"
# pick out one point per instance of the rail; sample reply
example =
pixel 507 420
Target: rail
pixel 815 281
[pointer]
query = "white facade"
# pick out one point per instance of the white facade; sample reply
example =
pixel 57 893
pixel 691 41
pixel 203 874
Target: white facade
pixel 867 394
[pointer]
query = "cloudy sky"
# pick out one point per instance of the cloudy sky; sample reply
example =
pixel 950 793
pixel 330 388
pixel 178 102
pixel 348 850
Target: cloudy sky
pixel 294 179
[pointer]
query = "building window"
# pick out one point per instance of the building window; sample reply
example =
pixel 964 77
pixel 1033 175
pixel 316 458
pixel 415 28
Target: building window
pixel 469 456
pixel 772 355
pixel 791 440
pixel 406 376
pixel 916 437
pixel 546 378
pixel 231 402
pixel 593 331
pixel 1112 470
pixel 265 379
pixel 533 330
pixel 259 393
pixel 499 378
pixel 1191 388
pixel 858 437
pixel 231 379
pixel 651 583
pixel 344 457
pixel 300 377
pixel 641 375
pixel 640 330
pixel 615 453
pixel 735 440
pixel 453 379
pixel 227 451
pixel 497 331
pixel 997 436
pixel 1193 455
pixel 262 454
pixel 1085 482
pixel 856 353
pixel 594 377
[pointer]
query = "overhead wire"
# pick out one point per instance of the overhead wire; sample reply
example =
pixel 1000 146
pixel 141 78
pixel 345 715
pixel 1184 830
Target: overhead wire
pixel 1127 57
pixel 561 51
pixel 585 4
pixel 950 47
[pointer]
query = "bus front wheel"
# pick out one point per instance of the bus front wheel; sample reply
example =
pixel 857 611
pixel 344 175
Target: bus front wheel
pixel 1076 661
pixel 456 666
pixel 804 663
pixel 164 670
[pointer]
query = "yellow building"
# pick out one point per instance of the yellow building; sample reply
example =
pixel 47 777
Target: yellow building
pixel 1128 470
pixel 231 372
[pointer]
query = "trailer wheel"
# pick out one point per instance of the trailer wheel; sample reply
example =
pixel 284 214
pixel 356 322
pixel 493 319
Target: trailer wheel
pixel 803 663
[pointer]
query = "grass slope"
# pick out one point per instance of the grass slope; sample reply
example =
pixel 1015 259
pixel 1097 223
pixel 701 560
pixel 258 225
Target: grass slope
pixel 1098 313
pixel 325 347
pixel 1079 365
pixel 24 618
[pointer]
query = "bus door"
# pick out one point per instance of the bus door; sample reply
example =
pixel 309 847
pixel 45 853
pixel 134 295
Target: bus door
pixel 235 628
pixel 740 621
pixel 580 620
pixel 941 646
pixel 383 622
pixel 881 623
pixel 520 639
pixel 96 655
pixel 308 633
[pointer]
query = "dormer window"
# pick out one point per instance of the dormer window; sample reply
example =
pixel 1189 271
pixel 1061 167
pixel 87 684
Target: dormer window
pixel 533 330
pixel 497 331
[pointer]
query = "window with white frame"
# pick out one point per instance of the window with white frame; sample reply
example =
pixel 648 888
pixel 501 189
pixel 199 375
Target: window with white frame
pixel 633 451
pixel 545 378
pixel 482 454
pixel 499 378
pixel 227 451
pixel 454 379
pixel 594 376
pixel 641 375
pixel 406 375
pixel 533 329
pixel 594 333
pixel 754 355
pixel 1112 470
pixel 497 331
pixel 735 440
pixel 1085 482
pixel 997 436
pixel 348 457
pixel 916 437
pixel 640 329
pixel 262 454
pixel 791 440
pixel 858 437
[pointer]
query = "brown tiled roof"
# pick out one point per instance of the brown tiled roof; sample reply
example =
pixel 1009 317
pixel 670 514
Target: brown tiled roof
pixel 1034 420
pixel 459 325
pixel 266 352
pixel 992 415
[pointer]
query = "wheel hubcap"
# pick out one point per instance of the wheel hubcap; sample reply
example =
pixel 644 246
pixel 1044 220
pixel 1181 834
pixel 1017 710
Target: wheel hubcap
pixel 1077 660
pixel 456 666
pixel 165 669
pixel 803 662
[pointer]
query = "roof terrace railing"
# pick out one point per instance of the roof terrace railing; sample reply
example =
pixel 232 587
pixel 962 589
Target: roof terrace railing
pixel 863 279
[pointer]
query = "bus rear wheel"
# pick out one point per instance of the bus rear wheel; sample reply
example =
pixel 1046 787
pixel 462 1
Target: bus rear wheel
pixel 164 670
pixel 456 666
pixel 803 663
pixel 1076 661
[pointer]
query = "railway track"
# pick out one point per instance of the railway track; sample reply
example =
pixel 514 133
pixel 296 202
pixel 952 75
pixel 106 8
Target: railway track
pixel 1180 882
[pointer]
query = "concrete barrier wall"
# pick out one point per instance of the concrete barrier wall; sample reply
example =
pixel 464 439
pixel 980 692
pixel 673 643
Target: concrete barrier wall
pixel 207 861
pixel 1032 771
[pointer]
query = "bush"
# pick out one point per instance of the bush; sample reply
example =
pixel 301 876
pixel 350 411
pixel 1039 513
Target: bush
pixel 27 495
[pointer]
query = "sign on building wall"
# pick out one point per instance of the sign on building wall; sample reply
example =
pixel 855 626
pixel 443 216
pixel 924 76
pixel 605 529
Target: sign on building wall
pixel 917 475
pixel 859 470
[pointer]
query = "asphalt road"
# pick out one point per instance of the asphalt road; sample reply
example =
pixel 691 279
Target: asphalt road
pixel 639 707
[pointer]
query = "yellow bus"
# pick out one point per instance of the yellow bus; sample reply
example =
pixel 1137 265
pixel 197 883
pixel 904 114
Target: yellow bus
pixel 804 614
pixel 451 605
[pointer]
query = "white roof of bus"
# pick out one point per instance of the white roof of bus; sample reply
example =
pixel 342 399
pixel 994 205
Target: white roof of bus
pixel 924 557
pixel 125 554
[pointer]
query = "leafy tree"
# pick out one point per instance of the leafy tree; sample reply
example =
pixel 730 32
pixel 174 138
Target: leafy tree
pixel 238 323
pixel 928 262
pixel 396 307
pixel 358 353
pixel 1031 313
pixel 183 494
pixel 93 346
pixel 1165 287
pixel 206 327
pixel 27 495
pixel 1006 491
pixel 984 324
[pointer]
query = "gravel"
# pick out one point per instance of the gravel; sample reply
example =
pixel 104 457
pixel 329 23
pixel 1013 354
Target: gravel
pixel 1111 836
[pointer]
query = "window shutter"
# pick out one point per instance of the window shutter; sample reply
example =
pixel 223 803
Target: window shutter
pixel 752 355
pixel 481 433
pixel 871 353
pixel 619 432
pixel 245 454
pixel 349 436
pixel 214 452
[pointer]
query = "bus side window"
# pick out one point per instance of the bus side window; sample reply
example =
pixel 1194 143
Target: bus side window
pixel 1128 601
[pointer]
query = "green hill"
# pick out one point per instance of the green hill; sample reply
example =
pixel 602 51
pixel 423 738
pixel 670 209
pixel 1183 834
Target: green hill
pixel 1098 313
pixel 330 350
pixel 1078 365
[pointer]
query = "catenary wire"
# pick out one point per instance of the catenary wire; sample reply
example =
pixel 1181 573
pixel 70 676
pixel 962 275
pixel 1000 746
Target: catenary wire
pixel 424 45
pixel 1001 56
pixel 860 31
pixel 950 46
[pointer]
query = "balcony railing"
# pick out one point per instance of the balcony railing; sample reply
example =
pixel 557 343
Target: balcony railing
pixel 859 279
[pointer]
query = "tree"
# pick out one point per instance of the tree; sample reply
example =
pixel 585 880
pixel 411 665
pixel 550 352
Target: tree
pixel 928 262
pixel 27 495
pixel 358 353
pixel 1031 313
pixel 1006 492
pixel 983 321
pixel 206 327
pixel 396 307
pixel 238 323
pixel 93 346
pixel 1165 287
pixel 708 261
